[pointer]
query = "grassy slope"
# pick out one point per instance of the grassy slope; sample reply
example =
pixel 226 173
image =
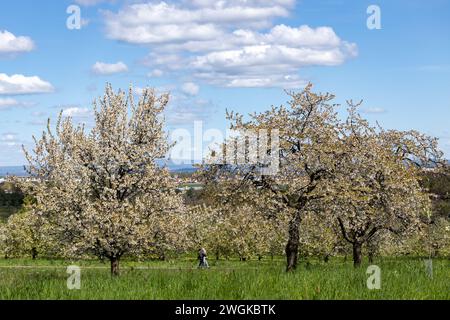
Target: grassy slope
pixel 401 279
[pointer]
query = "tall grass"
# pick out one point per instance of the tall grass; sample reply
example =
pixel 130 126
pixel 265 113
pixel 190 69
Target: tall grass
pixel 400 279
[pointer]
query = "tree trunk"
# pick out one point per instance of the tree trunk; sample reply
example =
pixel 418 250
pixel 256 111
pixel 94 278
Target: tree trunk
pixel 370 256
pixel 293 243
pixel 372 250
pixel 34 253
pixel 114 266
pixel 435 252
pixel 217 255
pixel 357 256
pixel 162 256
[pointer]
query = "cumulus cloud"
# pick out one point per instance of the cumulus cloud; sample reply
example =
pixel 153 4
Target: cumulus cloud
pixel 10 44
pixel 155 23
pixel 190 88
pixel 101 68
pixel 19 84
pixel 253 59
pixel 229 43
pixel 273 58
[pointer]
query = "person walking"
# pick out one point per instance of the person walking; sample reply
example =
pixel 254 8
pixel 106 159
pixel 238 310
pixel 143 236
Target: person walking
pixel 202 257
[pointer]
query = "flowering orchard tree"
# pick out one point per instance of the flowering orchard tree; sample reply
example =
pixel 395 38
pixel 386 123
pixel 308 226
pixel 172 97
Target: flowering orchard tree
pixel 103 189
pixel 235 227
pixel 3 240
pixel 320 236
pixel 168 232
pixel 376 182
pixel 366 177
pixel 308 148
pixel 26 234
pixel 435 240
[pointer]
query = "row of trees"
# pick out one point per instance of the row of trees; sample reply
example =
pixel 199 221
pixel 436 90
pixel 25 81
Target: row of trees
pixel 242 232
pixel 337 184
pixel 10 196
pixel 364 177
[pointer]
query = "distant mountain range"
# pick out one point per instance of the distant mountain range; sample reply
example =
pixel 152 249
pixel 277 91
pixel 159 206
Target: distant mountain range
pixel 176 167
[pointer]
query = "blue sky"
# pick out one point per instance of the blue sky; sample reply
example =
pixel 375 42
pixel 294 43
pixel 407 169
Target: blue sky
pixel 214 55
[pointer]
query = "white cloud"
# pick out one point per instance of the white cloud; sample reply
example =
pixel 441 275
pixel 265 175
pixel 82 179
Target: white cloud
pixel 228 43
pixel 287 81
pixel 190 88
pixel 9 43
pixel 273 59
pixel 373 110
pixel 76 112
pixel 11 153
pixel 101 68
pixel 85 22
pixel 151 23
pixel 168 61
pixel 138 91
pixel 252 59
pixel 90 2
pixel 20 84
pixel 158 90
pixel 155 73
pixel 37 122
pixel 184 110
pixel 38 114
pixel 9 139
pixel 8 103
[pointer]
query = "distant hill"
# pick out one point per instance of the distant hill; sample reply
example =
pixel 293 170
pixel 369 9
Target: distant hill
pixel 19 171
pixel 172 165
pixel 175 167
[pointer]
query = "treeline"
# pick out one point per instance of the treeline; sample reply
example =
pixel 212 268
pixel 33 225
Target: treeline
pixel 10 196
pixel 438 185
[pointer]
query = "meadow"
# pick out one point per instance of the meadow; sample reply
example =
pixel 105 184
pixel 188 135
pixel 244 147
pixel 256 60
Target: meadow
pixel 401 278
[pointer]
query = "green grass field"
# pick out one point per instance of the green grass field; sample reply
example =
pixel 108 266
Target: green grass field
pixel 400 279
